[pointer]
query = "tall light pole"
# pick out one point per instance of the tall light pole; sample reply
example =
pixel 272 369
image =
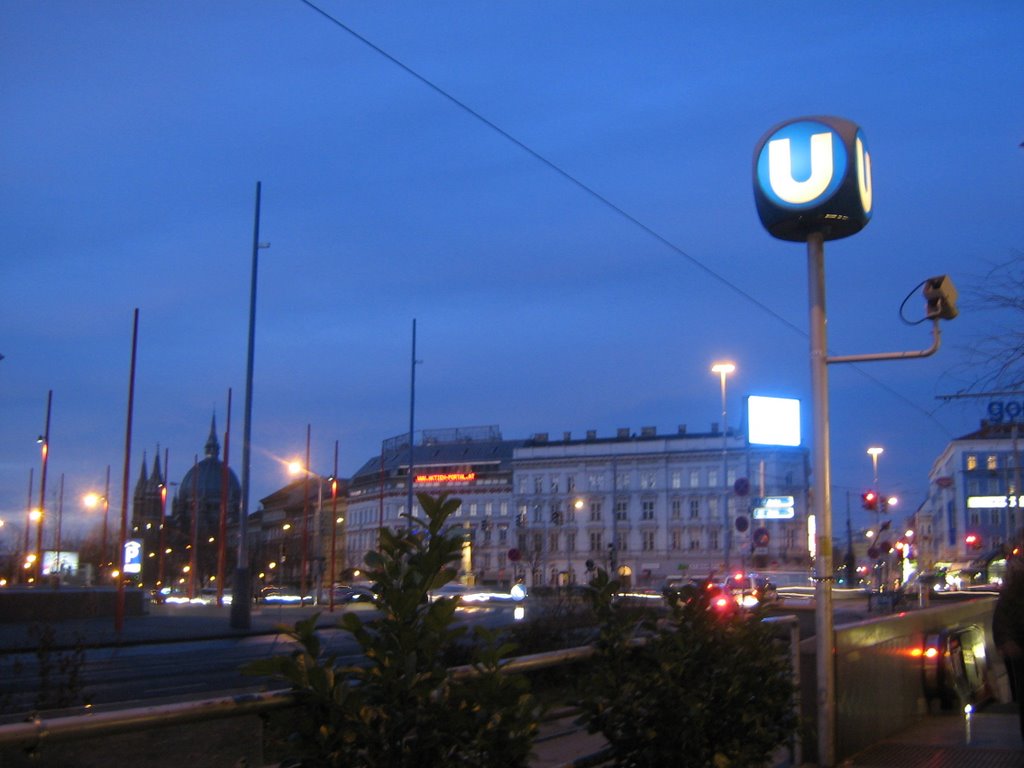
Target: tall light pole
pixel 723 369
pixel 44 443
pixel 92 500
pixel 334 526
pixel 241 590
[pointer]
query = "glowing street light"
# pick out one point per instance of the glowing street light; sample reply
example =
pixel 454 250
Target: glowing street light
pixel 723 369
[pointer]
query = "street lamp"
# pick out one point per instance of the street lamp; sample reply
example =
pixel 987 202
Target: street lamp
pixel 91 501
pixel 44 443
pixel 723 369
pixel 296 467
pixel 874 452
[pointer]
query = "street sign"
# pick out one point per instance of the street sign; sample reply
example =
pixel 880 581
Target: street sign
pixel 514 555
pixel 773 507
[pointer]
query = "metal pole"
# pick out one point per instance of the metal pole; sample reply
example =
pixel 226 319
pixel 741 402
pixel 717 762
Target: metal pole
pixel 28 525
pixel 106 509
pixel 334 525
pixel 412 411
pixel 161 555
pixel 824 630
pixel 727 532
pixel 222 531
pixel 119 613
pixel 241 592
pixel 42 489
pixel 305 524
pixel 60 526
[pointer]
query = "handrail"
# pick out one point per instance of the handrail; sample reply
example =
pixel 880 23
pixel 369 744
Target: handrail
pixel 42 730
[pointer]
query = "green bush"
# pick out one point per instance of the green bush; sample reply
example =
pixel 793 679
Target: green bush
pixel 403 709
pixel 695 688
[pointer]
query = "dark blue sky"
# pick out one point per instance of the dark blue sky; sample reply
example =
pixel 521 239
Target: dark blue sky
pixel 133 135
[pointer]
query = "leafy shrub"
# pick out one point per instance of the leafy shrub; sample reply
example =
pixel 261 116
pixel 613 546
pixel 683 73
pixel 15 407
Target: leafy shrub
pixel 402 709
pixel 700 688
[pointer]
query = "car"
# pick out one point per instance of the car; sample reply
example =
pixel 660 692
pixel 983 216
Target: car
pixel 353 593
pixel 750 589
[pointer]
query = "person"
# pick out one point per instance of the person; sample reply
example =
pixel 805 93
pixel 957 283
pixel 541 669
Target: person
pixel 1008 629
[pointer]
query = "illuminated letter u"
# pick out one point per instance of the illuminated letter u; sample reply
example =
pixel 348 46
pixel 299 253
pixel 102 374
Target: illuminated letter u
pixel 780 170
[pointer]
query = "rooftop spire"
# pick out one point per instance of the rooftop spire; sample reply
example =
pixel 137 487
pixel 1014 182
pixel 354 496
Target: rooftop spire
pixel 212 445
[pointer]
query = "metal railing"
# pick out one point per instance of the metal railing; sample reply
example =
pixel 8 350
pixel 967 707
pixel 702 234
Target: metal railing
pixel 34 735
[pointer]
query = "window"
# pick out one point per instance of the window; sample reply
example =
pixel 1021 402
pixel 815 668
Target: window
pixel 676 540
pixel 553 542
pixel 488 509
pixel 570 484
pixel 523 484
pixel 622 480
pixel 622 542
pixel 647 541
pixel 472 509
pixel 554 484
pixel 538 515
pixel 594 481
pixel 712 477
pixel 647 509
pixel 595 511
pixel 694 545
pixel 694 509
pixel 676 479
pixel 677 509
pixel 538 484
pixel 730 477
pixel 503 508
pixel 648 480
pixel 570 542
pixel 712 507
pixel 713 540
pixel 991 463
pixel 595 541
pixel 502 534
pixel 621 510
pixel 695 478
pixel 972 462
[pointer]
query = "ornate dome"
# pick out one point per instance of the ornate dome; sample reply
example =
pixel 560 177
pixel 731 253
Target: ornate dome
pixel 204 481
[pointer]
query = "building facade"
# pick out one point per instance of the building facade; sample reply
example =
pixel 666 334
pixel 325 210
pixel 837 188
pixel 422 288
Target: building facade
pixel 648 507
pixel 974 500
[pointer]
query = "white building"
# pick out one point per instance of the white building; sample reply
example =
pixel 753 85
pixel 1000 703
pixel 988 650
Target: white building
pixel 974 498
pixel 645 505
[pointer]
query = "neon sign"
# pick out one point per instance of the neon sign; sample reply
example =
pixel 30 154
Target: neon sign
pixel 447 477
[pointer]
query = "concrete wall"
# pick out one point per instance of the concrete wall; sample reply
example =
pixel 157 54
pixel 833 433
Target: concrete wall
pixel 48 604
pixel 879 672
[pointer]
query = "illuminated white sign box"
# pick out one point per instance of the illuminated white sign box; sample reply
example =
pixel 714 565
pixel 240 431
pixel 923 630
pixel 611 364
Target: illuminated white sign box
pixel 773 508
pixel 773 420
pixel 994 502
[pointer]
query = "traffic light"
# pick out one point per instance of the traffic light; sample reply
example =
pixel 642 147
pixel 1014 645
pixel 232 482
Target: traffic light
pixel 940 297
pixel 869 500
pixel 973 541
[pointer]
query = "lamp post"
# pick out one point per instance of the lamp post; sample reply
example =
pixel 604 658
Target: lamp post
pixel 44 443
pixel 723 369
pixel 294 468
pixel 334 527
pixel 91 501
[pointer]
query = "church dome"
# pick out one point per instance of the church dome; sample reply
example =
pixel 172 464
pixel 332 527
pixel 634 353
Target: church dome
pixel 204 480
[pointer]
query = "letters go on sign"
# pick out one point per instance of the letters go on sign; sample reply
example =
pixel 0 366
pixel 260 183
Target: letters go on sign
pixel 813 175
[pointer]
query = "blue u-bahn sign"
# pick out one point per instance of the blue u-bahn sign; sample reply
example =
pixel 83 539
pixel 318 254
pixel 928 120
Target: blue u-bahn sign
pixel 812 175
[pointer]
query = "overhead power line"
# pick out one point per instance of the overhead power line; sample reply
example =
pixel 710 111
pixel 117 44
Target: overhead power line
pixel 766 308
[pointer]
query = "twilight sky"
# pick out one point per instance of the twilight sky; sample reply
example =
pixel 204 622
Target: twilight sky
pixel 558 192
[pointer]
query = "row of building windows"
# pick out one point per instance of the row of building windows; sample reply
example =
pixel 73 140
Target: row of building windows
pixel 991 461
pixel 647 480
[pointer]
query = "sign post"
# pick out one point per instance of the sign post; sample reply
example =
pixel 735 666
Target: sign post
pixel 812 182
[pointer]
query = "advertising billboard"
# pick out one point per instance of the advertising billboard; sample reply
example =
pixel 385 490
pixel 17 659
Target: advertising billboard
pixel 773 420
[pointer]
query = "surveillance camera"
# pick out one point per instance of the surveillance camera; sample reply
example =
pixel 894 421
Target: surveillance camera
pixel 940 296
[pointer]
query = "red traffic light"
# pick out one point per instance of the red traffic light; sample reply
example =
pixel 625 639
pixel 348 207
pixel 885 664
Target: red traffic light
pixel 869 500
pixel 973 540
